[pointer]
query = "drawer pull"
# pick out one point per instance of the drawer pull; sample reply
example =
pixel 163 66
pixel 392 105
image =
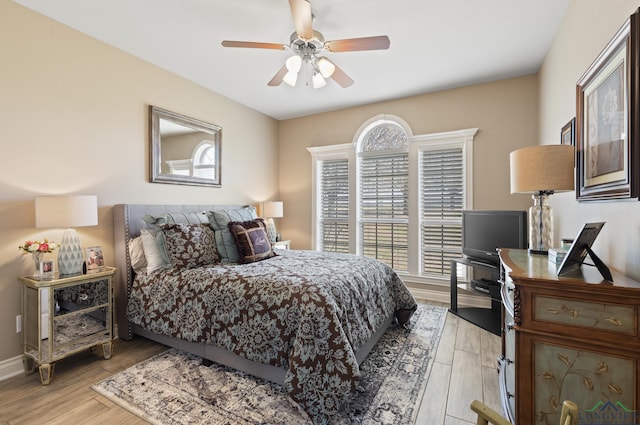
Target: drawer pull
pixel 83 297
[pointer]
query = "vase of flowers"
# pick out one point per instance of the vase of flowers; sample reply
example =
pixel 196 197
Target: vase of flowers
pixel 37 249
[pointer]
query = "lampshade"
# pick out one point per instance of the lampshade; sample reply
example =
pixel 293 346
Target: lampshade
pixel 545 168
pixel 273 209
pixel 318 80
pixel 326 67
pixel 68 211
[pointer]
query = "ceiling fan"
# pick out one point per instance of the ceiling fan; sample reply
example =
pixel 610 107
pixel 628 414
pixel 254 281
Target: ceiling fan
pixel 307 45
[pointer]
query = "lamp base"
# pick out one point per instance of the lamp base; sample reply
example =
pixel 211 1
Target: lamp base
pixel 538 252
pixel 271 230
pixel 70 258
pixel 540 224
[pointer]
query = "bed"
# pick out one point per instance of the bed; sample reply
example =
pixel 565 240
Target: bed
pixel 302 319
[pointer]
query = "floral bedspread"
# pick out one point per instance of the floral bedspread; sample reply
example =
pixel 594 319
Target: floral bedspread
pixel 305 311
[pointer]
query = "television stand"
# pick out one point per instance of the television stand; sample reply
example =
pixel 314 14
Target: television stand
pixel 488 319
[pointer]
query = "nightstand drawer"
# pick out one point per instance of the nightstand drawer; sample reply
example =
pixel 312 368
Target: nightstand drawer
pixel 85 295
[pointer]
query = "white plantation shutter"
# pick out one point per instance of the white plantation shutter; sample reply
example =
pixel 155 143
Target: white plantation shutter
pixel 334 205
pixel 442 202
pixel 407 193
pixel 384 211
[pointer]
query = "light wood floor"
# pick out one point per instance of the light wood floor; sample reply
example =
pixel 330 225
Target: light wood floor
pixel 464 369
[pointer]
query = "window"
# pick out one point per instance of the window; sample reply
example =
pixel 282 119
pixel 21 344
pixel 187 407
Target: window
pixel 204 160
pixel 442 202
pixel 383 190
pixel 334 205
pixel 394 196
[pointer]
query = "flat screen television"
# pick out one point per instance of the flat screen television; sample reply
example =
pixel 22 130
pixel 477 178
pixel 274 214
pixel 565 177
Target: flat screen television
pixel 483 232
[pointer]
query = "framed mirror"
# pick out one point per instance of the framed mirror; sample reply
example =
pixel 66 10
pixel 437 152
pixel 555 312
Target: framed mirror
pixel 183 150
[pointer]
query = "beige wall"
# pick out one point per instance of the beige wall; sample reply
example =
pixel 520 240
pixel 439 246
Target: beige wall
pixel 587 27
pixel 73 119
pixel 506 113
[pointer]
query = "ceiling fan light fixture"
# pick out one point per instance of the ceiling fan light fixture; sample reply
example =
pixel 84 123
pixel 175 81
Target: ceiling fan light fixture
pixel 326 67
pixel 318 80
pixel 294 63
pixel 291 78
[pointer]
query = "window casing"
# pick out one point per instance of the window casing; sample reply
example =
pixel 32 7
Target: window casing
pixel 405 197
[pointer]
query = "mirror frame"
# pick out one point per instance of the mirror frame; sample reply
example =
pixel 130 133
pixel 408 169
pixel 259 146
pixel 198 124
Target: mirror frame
pixel 155 138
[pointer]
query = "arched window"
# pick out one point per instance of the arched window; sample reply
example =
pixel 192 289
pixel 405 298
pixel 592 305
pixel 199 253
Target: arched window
pixel 204 160
pixel 383 193
pixel 394 196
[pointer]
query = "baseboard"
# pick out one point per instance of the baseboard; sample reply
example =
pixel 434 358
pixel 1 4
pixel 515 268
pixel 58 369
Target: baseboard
pixel 11 367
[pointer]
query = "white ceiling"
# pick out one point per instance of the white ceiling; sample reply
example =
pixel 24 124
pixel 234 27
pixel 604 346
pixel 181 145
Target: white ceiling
pixel 435 44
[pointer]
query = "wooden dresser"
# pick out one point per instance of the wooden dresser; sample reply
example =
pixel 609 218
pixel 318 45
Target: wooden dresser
pixel 574 337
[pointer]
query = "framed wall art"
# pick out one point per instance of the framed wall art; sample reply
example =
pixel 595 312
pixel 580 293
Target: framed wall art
pixel 607 121
pixel 568 133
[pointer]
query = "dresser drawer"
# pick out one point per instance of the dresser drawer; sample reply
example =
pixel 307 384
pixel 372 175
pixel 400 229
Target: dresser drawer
pixel 594 315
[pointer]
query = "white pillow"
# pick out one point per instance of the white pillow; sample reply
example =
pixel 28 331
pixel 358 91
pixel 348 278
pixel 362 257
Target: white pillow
pixel 155 250
pixel 136 254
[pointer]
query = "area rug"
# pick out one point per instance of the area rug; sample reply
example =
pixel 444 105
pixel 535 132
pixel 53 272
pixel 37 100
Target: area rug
pixel 174 388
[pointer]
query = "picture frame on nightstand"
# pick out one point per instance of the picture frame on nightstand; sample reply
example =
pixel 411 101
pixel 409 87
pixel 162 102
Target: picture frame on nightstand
pixel 46 270
pixel 94 258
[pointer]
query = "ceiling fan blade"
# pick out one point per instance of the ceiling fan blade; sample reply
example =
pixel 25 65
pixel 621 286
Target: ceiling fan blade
pixel 277 79
pixel 302 20
pixel 379 42
pixel 253 45
pixel 340 77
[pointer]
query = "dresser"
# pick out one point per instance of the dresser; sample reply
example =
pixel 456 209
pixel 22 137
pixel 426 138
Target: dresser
pixel 573 337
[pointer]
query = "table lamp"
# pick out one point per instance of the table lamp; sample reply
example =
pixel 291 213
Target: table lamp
pixel 271 210
pixel 69 212
pixel 542 170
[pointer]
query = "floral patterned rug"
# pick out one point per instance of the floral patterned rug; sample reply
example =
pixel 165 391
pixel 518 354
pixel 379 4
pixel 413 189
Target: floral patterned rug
pixel 175 388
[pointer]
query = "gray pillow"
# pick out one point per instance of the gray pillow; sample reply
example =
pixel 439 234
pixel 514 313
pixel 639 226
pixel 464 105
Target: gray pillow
pixel 225 242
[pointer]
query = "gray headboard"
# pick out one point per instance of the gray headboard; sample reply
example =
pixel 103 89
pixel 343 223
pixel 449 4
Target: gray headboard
pixel 127 223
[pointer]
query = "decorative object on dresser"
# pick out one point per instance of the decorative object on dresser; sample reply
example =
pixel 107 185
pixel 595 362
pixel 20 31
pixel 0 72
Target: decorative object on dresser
pixel 63 316
pixel 68 211
pixel 541 170
pixel 271 210
pixel 578 251
pixel 607 120
pixel 573 336
pixel 176 388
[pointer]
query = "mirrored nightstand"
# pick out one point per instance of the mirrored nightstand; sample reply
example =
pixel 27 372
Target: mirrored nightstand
pixel 64 315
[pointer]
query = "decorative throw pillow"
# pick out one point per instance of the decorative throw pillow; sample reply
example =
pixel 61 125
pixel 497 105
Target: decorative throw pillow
pixel 155 250
pixel 225 242
pixel 136 254
pixel 190 245
pixel 251 240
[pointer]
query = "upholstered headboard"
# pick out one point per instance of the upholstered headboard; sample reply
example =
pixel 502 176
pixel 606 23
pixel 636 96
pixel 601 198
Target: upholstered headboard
pixel 127 223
